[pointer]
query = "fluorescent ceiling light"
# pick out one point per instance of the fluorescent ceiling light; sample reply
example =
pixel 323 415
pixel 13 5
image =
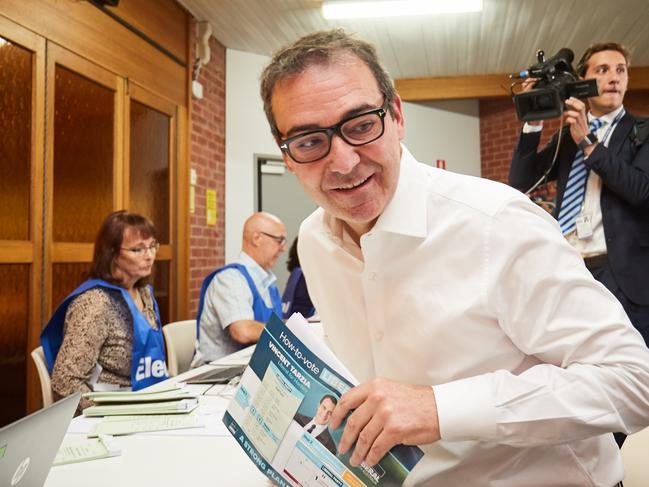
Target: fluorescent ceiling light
pixel 393 8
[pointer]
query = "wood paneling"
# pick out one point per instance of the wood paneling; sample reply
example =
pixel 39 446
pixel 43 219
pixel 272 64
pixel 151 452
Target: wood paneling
pixel 72 252
pixel 16 252
pixel 22 252
pixel 453 87
pixel 483 86
pixel 89 32
pixel 162 21
pixel 639 78
pixel 85 39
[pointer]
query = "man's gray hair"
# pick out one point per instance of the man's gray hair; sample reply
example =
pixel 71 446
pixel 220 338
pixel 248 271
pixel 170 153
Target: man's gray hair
pixel 321 48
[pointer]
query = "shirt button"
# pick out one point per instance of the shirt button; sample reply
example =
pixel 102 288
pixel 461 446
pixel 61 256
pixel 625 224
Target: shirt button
pixel 372 276
pixel 378 336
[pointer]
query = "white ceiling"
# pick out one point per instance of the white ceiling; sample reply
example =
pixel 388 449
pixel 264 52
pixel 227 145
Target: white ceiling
pixel 504 37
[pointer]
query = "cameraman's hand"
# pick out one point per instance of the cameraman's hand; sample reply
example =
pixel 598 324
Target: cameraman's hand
pixel 529 84
pixel 575 116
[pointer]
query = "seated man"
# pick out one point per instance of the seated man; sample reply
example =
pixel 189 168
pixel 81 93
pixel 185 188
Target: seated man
pixel 237 300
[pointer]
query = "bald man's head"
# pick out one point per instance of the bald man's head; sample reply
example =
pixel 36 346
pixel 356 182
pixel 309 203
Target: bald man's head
pixel 264 238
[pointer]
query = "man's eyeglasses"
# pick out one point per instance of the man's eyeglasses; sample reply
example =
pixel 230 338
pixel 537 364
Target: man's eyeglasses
pixel 140 251
pixel 280 239
pixel 357 130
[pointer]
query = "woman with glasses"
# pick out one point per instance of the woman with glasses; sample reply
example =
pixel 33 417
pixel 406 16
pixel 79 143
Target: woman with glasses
pixel 107 334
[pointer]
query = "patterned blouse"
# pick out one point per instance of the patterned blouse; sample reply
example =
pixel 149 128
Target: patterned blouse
pixel 98 330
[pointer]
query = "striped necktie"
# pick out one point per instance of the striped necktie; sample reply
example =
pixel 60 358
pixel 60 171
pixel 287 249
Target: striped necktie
pixel 575 188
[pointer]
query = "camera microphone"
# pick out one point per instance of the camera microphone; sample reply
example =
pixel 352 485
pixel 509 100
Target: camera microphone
pixel 564 55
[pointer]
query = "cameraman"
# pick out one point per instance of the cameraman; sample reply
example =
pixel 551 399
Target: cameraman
pixel 602 207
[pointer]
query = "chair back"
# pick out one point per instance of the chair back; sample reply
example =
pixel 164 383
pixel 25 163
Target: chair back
pixel 634 456
pixel 41 367
pixel 180 340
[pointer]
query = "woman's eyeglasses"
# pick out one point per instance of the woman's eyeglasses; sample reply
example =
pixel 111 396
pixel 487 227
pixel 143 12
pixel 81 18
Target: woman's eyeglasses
pixel 140 251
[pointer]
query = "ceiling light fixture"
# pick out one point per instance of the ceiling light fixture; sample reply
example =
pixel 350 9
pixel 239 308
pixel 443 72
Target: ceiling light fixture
pixel 337 9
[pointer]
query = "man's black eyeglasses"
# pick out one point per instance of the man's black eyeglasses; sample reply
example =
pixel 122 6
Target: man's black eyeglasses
pixel 356 130
pixel 280 239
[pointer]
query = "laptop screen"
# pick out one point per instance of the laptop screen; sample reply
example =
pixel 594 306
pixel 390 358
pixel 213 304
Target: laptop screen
pixel 29 445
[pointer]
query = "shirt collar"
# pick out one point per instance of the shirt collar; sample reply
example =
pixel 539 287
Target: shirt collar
pixel 608 118
pixel 257 272
pixel 406 212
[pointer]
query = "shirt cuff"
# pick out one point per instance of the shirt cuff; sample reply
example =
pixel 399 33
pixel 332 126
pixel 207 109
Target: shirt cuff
pixel 531 129
pixel 465 410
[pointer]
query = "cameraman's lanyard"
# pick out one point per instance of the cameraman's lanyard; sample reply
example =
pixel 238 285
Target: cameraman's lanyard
pixel 584 220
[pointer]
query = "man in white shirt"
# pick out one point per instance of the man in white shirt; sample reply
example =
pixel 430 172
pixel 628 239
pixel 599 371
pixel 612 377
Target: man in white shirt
pixel 435 289
pixel 238 299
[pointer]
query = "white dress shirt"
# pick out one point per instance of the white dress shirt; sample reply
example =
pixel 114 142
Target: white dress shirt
pixel 466 285
pixel 596 243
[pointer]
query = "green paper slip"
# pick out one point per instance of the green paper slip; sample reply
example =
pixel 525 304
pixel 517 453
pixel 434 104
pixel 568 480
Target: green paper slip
pixel 87 450
pixel 146 423
pixel 181 406
pixel 166 394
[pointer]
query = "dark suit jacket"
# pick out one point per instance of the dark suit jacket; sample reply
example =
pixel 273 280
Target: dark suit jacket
pixel 624 169
pixel 324 437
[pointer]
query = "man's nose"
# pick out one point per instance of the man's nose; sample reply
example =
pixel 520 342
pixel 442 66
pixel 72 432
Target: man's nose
pixel 342 157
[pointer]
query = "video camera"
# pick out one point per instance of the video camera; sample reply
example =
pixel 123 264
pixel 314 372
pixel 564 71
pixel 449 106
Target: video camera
pixel 557 82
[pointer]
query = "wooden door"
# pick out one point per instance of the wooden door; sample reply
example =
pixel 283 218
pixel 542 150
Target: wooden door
pixel 22 75
pixel 83 168
pixel 77 141
pixel 150 179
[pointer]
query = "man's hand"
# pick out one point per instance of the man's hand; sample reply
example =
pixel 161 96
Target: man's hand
pixel 385 413
pixel 575 117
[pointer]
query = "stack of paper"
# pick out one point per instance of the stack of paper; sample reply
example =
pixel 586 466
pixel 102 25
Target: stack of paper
pixel 127 425
pixel 170 400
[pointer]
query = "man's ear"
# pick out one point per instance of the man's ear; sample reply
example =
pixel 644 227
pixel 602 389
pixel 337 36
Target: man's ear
pixel 398 117
pixel 288 162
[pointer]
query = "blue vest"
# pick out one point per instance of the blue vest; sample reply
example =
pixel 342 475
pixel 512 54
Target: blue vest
pixel 148 356
pixel 288 299
pixel 261 311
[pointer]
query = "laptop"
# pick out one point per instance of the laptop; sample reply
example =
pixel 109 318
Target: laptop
pixel 220 375
pixel 28 446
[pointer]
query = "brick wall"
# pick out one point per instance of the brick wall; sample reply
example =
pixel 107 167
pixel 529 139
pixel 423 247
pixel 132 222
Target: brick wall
pixel 499 130
pixel 207 157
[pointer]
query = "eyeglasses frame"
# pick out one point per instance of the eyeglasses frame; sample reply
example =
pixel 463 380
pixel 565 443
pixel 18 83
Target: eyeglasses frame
pixel 335 129
pixel 141 251
pixel 281 240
